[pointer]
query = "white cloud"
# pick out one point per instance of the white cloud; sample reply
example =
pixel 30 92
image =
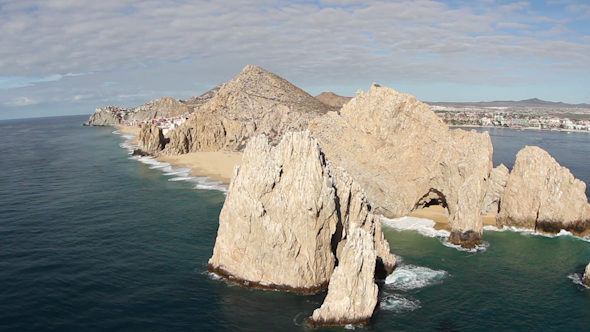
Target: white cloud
pixel 22 101
pixel 150 47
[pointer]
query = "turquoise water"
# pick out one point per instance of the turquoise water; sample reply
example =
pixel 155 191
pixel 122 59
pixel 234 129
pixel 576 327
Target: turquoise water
pixel 91 240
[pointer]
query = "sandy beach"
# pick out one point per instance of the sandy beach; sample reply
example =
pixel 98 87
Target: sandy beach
pixel 437 213
pixel 216 165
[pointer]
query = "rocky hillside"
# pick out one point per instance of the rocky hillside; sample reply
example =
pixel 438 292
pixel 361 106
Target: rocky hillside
pixel 404 157
pixel 332 99
pixel 252 103
pixel 165 107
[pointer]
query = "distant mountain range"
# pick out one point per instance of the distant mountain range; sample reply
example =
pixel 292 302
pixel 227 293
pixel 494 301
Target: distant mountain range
pixel 535 102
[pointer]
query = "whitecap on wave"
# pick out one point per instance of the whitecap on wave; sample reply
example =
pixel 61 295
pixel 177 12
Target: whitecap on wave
pixel 408 277
pixel 398 303
pixel 176 173
pixel 526 231
pixel 425 227
pixel 577 279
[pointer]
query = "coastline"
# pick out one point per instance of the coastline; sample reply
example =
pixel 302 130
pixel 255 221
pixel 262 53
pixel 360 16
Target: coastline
pixel 437 214
pixel 523 128
pixel 217 166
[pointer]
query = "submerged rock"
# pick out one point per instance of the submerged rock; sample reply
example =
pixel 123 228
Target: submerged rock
pixel 405 157
pixel 541 194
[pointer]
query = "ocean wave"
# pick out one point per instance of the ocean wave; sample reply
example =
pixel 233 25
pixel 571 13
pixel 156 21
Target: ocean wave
pixel 398 303
pixel 527 231
pixel 177 173
pixel 577 279
pixel 409 277
pixel 423 226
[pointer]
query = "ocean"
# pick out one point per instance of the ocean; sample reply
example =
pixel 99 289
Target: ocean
pixel 92 239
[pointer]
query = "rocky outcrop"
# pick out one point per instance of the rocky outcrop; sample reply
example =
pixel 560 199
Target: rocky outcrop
pixel 165 107
pixel 352 293
pixel 151 140
pixel 404 157
pixel 276 226
pixel 586 276
pixel 542 195
pixel 332 99
pixel 290 218
pixel 497 183
pixel 252 103
pixel 107 116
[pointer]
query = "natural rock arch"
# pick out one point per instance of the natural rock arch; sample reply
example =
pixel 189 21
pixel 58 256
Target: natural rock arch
pixel 432 197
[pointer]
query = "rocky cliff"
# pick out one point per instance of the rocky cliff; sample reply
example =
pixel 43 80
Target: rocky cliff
pixel 289 218
pixel 151 140
pixel 165 107
pixel 497 183
pixel 106 116
pixel 404 157
pixel 541 194
pixel 252 103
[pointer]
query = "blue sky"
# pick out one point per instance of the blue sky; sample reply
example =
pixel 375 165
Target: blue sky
pixel 62 57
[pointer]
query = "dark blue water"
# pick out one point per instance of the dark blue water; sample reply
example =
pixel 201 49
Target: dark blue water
pixel 91 240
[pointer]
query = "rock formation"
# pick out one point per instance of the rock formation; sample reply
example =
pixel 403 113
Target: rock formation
pixel 151 140
pixel 352 293
pixel 165 107
pixel 542 195
pixel 332 99
pixel 252 103
pixel 497 183
pixel 107 116
pixel 289 218
pixel 586 276
pixel 404 157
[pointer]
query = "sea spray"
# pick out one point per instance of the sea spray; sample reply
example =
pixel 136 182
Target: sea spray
pixel 425 227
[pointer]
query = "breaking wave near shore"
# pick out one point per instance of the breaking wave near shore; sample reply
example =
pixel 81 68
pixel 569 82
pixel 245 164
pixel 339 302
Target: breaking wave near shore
pixel 175 173
pixel 406 279
pixel 425 227
pixel 527 232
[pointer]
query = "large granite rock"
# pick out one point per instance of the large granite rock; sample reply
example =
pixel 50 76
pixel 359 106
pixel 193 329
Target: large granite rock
pixel 497 183
pixel 332 99
pixel 542 195
pixel 404 157
pixel 276 226
pixel 151 140
pixel 586 276
pixel 289 218
pixel 252 103
pixel 352 293
pixel 165 107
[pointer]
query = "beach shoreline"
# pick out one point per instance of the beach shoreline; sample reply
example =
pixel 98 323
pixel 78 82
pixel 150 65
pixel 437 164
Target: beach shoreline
pixel 217 166
pixel 437 214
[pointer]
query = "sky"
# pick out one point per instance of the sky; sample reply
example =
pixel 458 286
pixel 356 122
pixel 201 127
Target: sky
pixel 66 57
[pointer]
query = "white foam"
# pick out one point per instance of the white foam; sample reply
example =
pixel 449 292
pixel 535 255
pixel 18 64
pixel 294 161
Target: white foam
pixel 526 231
pixel 398 303
pixel 480 247
pixel 408 277
pixel 423 226
pixel 177 173
pixel 577 279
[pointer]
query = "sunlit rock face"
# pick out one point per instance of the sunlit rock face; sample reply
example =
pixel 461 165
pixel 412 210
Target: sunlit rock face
pixel 541 194
pixel 404 157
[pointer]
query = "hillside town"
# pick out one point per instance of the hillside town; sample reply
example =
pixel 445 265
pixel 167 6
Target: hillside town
pixel 566 119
